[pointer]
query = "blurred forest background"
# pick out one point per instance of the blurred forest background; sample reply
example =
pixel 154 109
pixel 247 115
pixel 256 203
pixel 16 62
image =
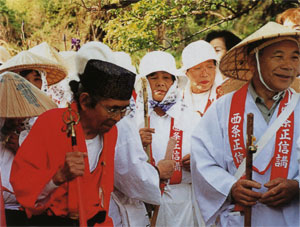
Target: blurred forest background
pixel 133 26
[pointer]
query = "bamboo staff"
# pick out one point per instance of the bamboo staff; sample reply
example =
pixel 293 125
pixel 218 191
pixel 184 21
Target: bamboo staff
pixel 250 150
pixel 146 116
pixel 73 119
pixel 146 123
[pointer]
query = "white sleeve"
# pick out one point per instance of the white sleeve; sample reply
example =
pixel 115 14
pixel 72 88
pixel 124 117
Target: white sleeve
pixel 134 176
pixel 45 194
pixel 210 179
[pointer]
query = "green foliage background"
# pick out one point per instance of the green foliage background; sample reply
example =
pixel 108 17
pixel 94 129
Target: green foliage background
pixel 133 26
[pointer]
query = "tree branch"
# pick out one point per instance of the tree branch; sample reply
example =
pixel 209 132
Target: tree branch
pixel 229 18
pixel 215 14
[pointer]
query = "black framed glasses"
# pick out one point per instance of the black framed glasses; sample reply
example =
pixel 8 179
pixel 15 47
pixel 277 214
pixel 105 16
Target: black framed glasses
pixel 114 111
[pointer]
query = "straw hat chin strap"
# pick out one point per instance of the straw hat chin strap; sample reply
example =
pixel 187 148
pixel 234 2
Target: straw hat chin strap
pixel 275 97
pixel 258 69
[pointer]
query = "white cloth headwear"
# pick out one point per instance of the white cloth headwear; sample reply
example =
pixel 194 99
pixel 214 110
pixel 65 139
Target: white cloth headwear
pixel 124 60
pixel 93 50
pixel 154 62
pixel 196 53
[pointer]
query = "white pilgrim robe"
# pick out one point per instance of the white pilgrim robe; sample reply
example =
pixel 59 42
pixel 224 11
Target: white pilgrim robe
pixel 176 207
pixel 197 102
pixel 135 180
pixel 213 167
pixel 6 159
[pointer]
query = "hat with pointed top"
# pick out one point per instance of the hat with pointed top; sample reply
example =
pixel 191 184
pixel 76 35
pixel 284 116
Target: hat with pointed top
pixel 235 62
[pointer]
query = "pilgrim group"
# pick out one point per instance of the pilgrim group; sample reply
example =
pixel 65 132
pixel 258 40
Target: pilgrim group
pixel 88 139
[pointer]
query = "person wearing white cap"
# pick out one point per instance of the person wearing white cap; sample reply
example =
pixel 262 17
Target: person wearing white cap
pixel 199 63
pixel 166 120
pixel 135 180
pixel 269 59
pixel 123 59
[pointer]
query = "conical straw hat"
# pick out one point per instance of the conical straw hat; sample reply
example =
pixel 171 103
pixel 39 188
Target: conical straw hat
pixel 235 63
pixel 231 84
pixel 19 98
pixel 26 60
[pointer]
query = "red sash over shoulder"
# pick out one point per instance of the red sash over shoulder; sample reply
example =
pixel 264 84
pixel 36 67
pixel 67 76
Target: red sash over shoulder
pixel 176 154
pixel 284 136
pixel 43 153
pixel 283 143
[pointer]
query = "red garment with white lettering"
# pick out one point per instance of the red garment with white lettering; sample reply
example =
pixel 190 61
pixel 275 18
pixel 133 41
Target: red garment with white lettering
pixel 284 135
pixel 176 154
pixel 43 153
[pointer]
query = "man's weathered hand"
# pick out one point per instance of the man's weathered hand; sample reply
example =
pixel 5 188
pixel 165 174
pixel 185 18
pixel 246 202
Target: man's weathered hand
pixel 146 135
pixel 242 194
pixel 166 168
pixel 280 191
pixel 73 167
pixel 186 163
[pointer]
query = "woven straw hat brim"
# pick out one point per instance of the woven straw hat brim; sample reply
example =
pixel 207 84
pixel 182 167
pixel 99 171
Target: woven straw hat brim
pixel 235 62
pixel 232 84
pixel 25 60
pixel 54 73
pixel 19 98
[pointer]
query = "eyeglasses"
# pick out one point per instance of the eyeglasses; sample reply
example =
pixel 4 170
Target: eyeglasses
pixel 113 112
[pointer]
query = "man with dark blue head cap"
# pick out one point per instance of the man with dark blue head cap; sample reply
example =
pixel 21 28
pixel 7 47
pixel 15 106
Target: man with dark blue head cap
pixel 64 172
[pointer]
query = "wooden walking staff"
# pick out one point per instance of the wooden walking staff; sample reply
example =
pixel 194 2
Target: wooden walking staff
pixel 149 207
pixel 249 153
pixel 71 118
pixel 146 116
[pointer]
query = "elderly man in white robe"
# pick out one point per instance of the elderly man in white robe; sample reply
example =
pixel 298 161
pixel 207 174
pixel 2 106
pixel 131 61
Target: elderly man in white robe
pixel 269 58
pixel 135 180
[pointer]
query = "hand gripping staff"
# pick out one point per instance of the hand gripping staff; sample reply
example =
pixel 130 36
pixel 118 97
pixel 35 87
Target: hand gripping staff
pixel 71 118
pixel 249 153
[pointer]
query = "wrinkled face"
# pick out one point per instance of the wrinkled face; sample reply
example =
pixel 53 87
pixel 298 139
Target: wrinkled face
pixel 160 82
pixel 35 79
pixel 202 76
pixel 104 115
pixel 291 24
pixel 279 64
pixel 220 46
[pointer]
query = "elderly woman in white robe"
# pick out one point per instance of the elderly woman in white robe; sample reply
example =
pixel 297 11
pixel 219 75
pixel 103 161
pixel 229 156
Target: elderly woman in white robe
pixel 166 120
pixel 200 65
